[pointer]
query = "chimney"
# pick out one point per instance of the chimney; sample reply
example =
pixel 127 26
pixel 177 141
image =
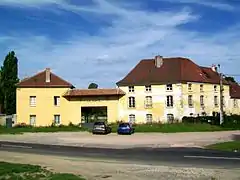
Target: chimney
pixel 48 75
pixel 214 68
pixel 158 61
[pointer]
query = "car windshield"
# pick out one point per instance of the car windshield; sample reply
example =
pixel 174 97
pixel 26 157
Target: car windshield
pixel 124 125
pixel 98 123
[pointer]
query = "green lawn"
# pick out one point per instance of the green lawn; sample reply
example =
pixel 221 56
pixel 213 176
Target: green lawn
pixel 19 130
pixel 10 171
pixel 164 128
pixel 174 128
pixel 226 146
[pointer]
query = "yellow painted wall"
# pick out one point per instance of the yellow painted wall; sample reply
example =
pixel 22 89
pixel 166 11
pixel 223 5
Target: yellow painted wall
pixel 181 108
pixel 75 105
pixel 45 108
pixel 70 111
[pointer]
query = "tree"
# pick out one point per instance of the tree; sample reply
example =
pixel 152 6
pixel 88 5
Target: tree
pixel 93 86
pixel 1 92
pixel 230 79
pixel 9 79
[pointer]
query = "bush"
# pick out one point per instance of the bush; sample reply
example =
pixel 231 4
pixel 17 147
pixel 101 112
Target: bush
pixel 232 121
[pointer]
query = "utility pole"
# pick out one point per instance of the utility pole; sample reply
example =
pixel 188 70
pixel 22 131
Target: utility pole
pixel 221 96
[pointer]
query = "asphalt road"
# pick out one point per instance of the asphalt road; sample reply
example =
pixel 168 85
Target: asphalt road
pixel 187 157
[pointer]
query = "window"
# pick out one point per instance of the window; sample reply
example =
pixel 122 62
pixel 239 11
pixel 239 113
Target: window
pixel 169 101
pixel 32 101
pixel 190 101
pixel 170 118
pixel 56 100
pixel 32 120
pixel 201 87
pixel 57 119
pixel 169 87
pixel 149 118
pixel 215 88
pixel 148 102
pixel 132 118
pixel 235 103
pixel 148 88
pixel 202 100
pixel 131 102
pixel 131 89
pixel 189 87
pixel 223 101
pixel 215 101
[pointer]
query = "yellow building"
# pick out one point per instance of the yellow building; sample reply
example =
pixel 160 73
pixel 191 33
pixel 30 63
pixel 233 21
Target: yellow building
pixel 156 90
pixel 45 99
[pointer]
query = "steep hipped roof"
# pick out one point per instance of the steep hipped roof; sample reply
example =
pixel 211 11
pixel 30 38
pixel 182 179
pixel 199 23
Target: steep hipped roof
pixel 93 92
pixel 39 81
pixel 173 70
pixel 234 90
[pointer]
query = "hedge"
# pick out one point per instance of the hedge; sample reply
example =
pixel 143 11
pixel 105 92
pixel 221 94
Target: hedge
pixel 230 121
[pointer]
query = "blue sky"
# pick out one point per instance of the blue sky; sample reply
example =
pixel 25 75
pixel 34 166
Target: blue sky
pixel 100 41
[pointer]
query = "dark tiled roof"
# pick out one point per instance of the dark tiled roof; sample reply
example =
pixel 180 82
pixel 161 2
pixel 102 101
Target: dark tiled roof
pixel 234 90
pixel 173 70
pixel 39 80
pixel 93 92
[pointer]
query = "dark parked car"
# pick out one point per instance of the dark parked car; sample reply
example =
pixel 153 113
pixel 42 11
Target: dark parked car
pixel 125 128
pixel 101 128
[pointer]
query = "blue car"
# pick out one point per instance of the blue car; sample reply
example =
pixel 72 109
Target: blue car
pixel 125 128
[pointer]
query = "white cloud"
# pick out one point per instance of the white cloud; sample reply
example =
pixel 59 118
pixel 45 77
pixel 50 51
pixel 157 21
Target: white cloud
pixel 218 4
pixel 134 34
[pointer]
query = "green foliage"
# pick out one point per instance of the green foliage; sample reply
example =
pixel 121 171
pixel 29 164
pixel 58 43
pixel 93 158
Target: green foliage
pixel 230 79
pixel 93 86
pixel 225 146
pixel 230 122
pixel 8 81
pixel 31 172
pixel 172 128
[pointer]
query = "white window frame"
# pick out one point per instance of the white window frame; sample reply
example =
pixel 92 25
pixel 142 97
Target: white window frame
pixel 189 86
pixel 132 118
pixel 57 119
pixel 56 100
pixel 216 101
pixel 33 101
pixel 148 88
pixel 169 87
pixel 131 89
pixel 169 102
pixel 202 100
pixel 235 103
pixel 131 102
pixel 148 102
pixel 149 118
pixel 170 117
pixel 190 101
pixel 201 88
pixel 32 119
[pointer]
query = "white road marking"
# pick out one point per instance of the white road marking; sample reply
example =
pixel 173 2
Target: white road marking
pixel 16 146
pixel 209 157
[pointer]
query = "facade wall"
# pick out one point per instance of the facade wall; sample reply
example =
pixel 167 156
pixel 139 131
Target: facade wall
pixel 68 109
pixel 180 93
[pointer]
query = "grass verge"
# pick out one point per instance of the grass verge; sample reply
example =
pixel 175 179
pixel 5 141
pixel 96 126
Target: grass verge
pixel 31 172
pixel 20 130
pixel 147 128
pixel 226 146
pixel 175 128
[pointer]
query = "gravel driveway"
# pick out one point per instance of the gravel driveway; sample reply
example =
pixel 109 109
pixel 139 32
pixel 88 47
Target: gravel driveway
pixel 190 139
